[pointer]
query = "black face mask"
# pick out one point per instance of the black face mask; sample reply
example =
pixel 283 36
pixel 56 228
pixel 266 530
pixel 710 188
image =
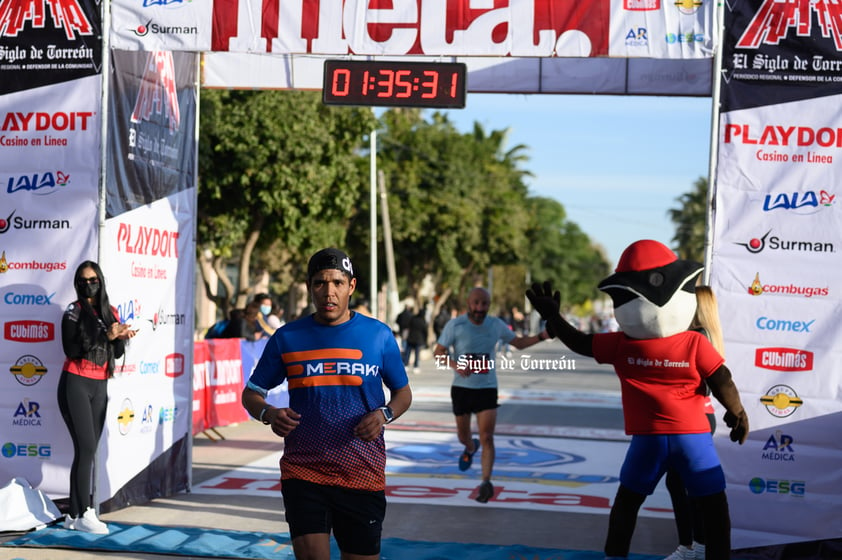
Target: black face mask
pixel 91 290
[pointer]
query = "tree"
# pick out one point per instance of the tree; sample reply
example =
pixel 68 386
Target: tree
pixel 279 170
pixel 690 220
pixel 562 253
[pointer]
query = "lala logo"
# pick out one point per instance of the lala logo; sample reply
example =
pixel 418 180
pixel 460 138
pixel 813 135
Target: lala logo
pixel 807 202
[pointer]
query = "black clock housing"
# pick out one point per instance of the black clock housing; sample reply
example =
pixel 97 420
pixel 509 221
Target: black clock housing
pixel 395 84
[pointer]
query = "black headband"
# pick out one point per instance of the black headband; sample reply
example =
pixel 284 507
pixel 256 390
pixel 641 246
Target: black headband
pixel 330 259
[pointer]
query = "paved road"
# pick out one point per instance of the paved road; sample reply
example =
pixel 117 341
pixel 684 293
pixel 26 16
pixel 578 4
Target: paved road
pixel 559 431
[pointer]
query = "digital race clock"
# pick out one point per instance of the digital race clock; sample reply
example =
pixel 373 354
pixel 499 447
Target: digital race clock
pixel 398 84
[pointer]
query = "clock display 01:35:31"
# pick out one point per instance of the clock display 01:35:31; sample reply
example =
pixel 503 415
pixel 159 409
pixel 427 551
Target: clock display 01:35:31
pixel 408 84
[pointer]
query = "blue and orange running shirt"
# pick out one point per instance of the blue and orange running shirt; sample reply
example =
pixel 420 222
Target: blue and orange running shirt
pixel 335 376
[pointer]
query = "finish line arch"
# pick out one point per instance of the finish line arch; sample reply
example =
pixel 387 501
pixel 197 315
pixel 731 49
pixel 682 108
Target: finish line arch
pixel 119 168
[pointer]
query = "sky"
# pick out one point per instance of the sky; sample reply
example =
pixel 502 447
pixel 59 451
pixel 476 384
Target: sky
pixel 616 163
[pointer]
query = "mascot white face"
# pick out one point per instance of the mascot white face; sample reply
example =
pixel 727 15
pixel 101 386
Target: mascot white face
pixel 652 290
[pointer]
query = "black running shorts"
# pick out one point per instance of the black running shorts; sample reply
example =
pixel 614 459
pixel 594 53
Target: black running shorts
pixel 355 516
pixel 467 401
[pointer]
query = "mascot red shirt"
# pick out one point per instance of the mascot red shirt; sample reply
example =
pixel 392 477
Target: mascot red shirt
pixel 661 386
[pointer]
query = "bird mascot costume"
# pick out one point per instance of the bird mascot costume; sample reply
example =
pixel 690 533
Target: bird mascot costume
pixel 663 369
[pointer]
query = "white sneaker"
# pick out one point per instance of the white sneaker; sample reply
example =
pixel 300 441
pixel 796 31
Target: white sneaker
pixel 89 523
pixel 69 522
pixel 682 553
pixel 699 551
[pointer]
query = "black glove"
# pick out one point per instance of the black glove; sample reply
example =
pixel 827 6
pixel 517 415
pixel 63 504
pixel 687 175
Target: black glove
pixel 738 424
pixel 722 386
pixel 545 302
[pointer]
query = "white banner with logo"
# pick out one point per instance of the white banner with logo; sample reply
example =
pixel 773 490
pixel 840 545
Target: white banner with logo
pixel 517 28
pixel 150 397
pixel 617 47
pixel 49 173
pixel 775 270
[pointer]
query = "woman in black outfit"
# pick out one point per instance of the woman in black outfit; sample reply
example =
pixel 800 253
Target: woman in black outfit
pixel 93 338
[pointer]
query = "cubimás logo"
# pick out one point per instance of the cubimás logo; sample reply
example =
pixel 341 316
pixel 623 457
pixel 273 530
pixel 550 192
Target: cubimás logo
pixel 783 359
pixel 781 401
pixel 28 370
pixel 29 331
pixel 757 244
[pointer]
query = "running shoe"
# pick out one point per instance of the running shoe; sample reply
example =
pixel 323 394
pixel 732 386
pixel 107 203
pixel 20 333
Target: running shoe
pixel 486 491
pixel 682 553
pixel 466 458
pixel 89 523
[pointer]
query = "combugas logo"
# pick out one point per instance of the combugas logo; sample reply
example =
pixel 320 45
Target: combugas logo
pixel 757 288
pixel 781 401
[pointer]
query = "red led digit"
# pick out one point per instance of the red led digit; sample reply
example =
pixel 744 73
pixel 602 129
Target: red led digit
pixel 388 83
pixel 404 86
pixel 454 78
pixel 365 82
pixel 335 88
pixel 432 84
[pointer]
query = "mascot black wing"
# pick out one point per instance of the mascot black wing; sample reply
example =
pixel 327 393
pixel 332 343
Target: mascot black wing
pixel 654 297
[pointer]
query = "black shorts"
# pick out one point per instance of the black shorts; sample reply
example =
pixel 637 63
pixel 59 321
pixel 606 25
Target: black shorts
pixel 355 516
pixel 467 401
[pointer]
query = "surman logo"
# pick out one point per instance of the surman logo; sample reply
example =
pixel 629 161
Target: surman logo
pixel 142 30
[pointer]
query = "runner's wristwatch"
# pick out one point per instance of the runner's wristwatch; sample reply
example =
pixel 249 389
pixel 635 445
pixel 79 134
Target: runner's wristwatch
pixel 387 412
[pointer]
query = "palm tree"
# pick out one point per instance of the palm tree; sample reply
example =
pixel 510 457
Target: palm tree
pixel 689 220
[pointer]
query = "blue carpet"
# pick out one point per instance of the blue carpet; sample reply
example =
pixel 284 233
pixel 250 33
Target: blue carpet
pixel 216 543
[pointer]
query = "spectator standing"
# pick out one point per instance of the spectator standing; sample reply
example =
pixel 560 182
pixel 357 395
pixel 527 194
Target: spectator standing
pixel 92 338
pixel 416 340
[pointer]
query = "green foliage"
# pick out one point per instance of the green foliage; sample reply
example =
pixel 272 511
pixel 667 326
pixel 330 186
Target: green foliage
pixel 276 165
pixel 282 175
pixel 690 220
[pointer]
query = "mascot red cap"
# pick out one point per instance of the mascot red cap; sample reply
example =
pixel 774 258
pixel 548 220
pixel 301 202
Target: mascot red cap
pixel 653 290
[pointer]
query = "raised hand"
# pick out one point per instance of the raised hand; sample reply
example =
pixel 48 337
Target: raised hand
pixel 543 299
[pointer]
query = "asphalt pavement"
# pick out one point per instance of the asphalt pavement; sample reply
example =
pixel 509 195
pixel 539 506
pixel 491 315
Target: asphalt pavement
pixel 551 373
